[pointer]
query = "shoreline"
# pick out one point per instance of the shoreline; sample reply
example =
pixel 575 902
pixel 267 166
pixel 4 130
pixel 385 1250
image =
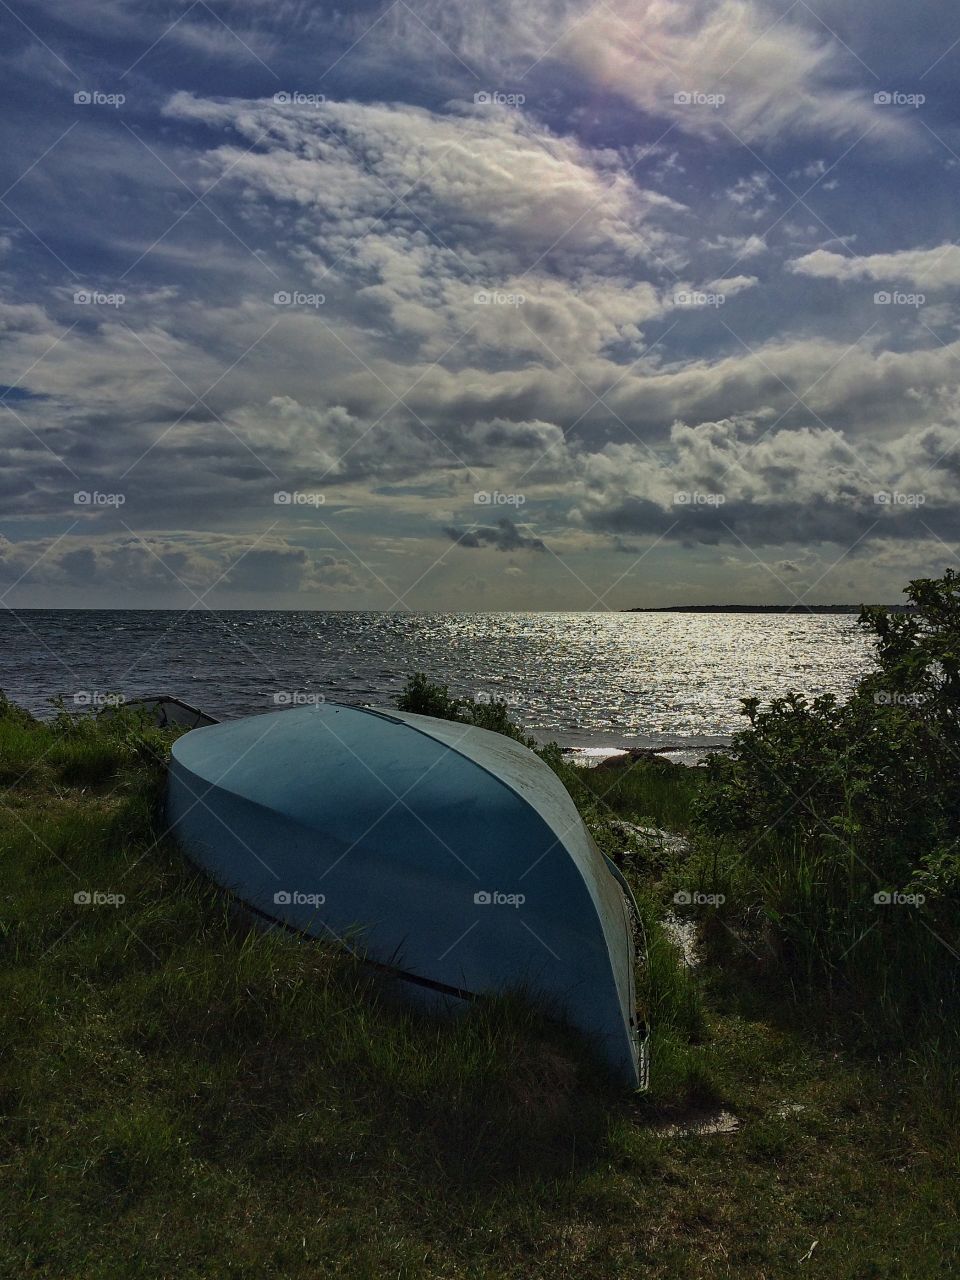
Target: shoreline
pixel 602 757
pixel 591 750
pixel 586 747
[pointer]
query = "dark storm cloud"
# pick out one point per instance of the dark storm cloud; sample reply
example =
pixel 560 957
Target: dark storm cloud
pixel 504 536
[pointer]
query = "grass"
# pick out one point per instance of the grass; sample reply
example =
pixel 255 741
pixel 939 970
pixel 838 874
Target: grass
pixel 649 789
pixel 185 1096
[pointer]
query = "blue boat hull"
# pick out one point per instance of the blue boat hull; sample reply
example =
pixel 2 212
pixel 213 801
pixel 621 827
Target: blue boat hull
pixel 449 853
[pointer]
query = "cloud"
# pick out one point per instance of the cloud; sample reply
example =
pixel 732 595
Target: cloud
pixel 499 174
pixel 752 191
pixel 937 268
pixel 779 75
pixel 748 246
pixel 726 482
pixel 504 536
pixel 215 40
pixel 138 564
pixel 574 380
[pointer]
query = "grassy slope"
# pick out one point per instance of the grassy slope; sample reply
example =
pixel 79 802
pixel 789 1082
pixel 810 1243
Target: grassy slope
pixel 183 1097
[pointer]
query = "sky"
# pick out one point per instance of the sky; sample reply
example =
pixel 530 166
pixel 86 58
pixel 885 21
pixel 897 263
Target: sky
pixel 522 304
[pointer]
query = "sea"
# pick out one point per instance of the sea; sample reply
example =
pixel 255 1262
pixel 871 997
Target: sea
pixel 590 681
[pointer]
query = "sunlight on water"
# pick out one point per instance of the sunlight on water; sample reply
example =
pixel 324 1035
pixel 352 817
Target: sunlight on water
pixel 581 677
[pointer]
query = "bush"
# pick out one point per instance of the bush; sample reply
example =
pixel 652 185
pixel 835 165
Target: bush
pixel 422 697
pixel 830 804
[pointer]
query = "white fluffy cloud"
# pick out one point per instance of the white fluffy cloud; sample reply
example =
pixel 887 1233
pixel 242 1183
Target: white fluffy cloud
pixel 485 172
pixel 732 482
pixel 937 268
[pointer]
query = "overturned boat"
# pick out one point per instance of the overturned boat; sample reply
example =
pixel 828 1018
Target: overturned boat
pixel 166 712
pixel 451 854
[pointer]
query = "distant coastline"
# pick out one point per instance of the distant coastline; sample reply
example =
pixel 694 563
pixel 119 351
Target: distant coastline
pixel 769 608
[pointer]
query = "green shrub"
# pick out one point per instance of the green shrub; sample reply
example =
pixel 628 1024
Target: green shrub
pixel 425 698
pixel 821 806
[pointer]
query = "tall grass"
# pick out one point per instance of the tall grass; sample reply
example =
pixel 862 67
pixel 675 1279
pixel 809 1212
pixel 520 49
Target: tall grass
pixel 648 789
pixel 889 972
